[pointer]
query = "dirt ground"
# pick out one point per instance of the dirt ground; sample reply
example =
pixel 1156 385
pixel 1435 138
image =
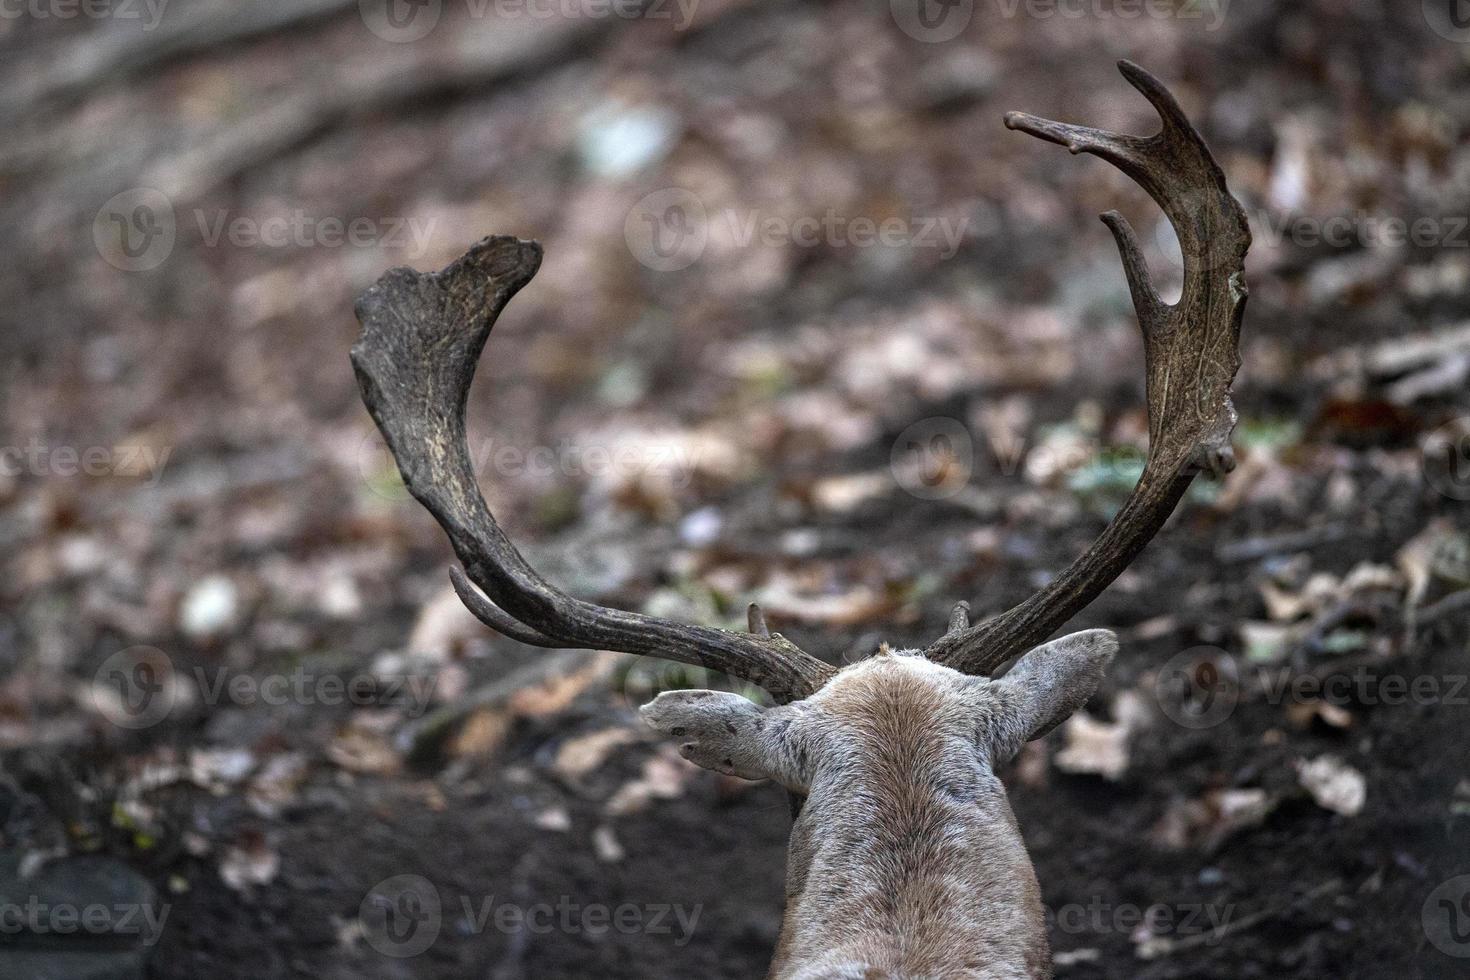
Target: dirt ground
pixel 338 773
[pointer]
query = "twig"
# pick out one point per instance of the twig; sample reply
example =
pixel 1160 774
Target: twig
pixel 79 67
pixel 1254 549
pixel 1160 946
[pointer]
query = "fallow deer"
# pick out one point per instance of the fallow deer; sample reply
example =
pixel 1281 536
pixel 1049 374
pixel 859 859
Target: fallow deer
pixel 905 859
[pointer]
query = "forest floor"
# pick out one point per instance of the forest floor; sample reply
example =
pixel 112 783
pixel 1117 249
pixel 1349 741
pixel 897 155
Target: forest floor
pixel 336 772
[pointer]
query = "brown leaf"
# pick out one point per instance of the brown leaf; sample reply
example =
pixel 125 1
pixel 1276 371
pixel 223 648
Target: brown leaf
pixel 579 756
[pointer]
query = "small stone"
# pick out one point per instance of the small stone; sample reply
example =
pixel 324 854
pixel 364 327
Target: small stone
pixel 210 608
pixel 702 527
pixel 605 843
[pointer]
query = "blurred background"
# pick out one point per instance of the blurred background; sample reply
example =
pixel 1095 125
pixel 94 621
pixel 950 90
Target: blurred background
pixel 813 329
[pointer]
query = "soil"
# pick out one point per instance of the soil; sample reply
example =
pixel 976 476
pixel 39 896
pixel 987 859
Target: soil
pixel 793 371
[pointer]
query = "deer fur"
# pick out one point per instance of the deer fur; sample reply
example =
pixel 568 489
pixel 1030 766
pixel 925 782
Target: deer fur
pixel 905 861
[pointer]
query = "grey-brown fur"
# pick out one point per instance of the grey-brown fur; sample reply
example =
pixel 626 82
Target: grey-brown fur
pixel 905 861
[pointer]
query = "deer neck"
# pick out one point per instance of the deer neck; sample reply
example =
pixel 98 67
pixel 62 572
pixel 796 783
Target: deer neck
pixel 913 870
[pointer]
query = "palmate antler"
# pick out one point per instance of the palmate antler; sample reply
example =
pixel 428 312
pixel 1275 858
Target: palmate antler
pixel 1191 352
pixel 423 334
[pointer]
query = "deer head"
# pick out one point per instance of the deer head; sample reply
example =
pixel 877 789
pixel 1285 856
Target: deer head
pixel 905 859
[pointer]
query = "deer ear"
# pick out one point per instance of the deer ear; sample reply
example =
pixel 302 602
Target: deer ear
pixel 731 734
pixel 1047 684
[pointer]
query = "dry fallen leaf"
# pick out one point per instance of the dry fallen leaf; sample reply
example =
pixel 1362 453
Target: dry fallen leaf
pixel 481 735
pixel 558 692
pixel 555 818
pixel 663 778
pixel 1438 551
pixel 1303 713
pixel 791 598
pixel 359 749
pixel 1210 820
pixel 1101 747
pixel 578 756
pixel 843 494
pixel 606 845
pixel 275 785
pixel 1334 784
pixel 252 862
pixel 443 627
pixel 218 769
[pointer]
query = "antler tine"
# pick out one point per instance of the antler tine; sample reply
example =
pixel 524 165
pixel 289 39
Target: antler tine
pixel 496 618
pixel 1191 354
pixel 422 336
